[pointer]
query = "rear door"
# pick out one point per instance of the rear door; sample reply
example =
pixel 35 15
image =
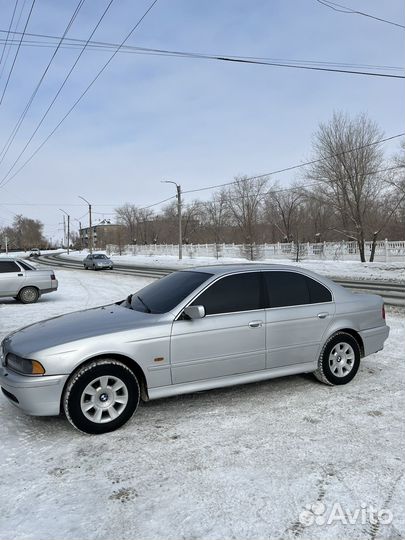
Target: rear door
pixel 12 278
pixel 230 339
pixel 298 313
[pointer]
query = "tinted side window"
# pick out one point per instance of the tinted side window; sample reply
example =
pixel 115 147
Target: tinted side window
pixel 286 289
pixel 26 266
pixel 166 293
pixel 317 292
pixel 9 266
pixel 240 292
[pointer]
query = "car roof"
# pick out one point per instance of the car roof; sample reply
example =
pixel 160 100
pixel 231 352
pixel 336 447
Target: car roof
pixel 224 269
pixel 243 267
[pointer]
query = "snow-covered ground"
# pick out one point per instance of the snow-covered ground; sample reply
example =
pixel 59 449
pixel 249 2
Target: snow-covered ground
pixel 344 269
pixel 238 463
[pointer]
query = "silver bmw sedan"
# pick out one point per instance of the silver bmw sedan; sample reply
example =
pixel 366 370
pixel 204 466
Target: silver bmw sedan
pixel 192 330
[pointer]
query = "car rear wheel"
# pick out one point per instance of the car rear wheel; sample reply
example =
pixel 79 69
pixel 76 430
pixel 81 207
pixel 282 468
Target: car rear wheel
pixel 28 295
pixel 101 396
pixel 339 360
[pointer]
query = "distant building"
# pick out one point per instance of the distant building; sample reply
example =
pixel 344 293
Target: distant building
pixel 104 233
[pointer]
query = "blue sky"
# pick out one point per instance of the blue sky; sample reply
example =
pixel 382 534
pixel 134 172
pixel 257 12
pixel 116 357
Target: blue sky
pixel 197 122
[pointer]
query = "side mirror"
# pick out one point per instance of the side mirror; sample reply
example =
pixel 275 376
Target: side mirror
pixel 194 312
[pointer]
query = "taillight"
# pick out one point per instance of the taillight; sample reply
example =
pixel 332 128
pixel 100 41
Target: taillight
pixel 383 311
pixel 53 277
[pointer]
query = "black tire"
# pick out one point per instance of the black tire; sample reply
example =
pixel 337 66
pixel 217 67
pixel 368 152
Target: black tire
pixel 74 397
pixel 86 267
pixel 328 363
pixel 28 295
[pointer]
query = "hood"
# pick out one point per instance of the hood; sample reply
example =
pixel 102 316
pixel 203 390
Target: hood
pixel 75 326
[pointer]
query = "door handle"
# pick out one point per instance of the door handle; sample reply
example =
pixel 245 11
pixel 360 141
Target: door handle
pixel 255 324
pixel 20 275
pixel 323 315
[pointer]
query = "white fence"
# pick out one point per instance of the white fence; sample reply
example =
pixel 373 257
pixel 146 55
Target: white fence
pixel 386 251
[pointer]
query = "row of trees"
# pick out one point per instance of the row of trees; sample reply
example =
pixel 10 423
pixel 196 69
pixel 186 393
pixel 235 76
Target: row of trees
pixel 349 192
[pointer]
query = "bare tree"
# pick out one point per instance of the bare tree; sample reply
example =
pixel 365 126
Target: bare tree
pixel 216 214
pixel 283 208
pixel 25 233
pixel 245 198
pixel 127 215
pixel 347 177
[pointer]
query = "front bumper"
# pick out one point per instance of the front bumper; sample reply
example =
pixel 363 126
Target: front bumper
pixel 38 396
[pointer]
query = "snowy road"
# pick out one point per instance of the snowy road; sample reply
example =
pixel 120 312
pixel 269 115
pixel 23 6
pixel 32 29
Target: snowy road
pixel 234 463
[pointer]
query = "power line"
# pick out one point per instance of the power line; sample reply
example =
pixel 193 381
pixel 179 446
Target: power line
pixel 18 50
pixel 293 167
pixel 8 31
pixel 4 180
pixel 345 9
pixel 106 46
pixel 20 33
pixel 57 93
pixel 16 128
pixel 157 203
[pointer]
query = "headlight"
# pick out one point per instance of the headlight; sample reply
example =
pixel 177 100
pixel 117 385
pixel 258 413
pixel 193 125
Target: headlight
pixel 23 365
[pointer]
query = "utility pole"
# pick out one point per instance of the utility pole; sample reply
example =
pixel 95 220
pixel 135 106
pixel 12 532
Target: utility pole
pixel 64 229
pixel 68 228
pixel 90 225
pixel 6 241
pixel 179 212
pixel 80 233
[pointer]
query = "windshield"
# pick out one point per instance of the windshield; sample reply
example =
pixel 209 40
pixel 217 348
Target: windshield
pixel 165 294
pixel 99 257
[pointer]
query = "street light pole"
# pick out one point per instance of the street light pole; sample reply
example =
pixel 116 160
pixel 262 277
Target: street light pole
pixel 90 225
pixel 68 229
pixel 179 203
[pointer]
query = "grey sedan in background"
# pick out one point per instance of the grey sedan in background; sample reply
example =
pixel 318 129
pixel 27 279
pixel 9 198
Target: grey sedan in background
pixel 25 282
pixel 98 261
pixel 193 330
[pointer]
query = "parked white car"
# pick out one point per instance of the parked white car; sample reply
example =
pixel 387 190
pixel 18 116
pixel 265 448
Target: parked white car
pixel 25 282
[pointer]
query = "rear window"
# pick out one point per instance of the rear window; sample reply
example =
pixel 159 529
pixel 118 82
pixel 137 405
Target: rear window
pixel 26 266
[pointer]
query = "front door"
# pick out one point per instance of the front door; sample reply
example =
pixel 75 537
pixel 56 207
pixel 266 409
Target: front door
pixel 230 339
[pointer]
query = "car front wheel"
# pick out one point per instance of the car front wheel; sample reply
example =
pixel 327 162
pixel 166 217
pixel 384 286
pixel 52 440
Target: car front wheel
pixel 339 360
pixel 101 397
